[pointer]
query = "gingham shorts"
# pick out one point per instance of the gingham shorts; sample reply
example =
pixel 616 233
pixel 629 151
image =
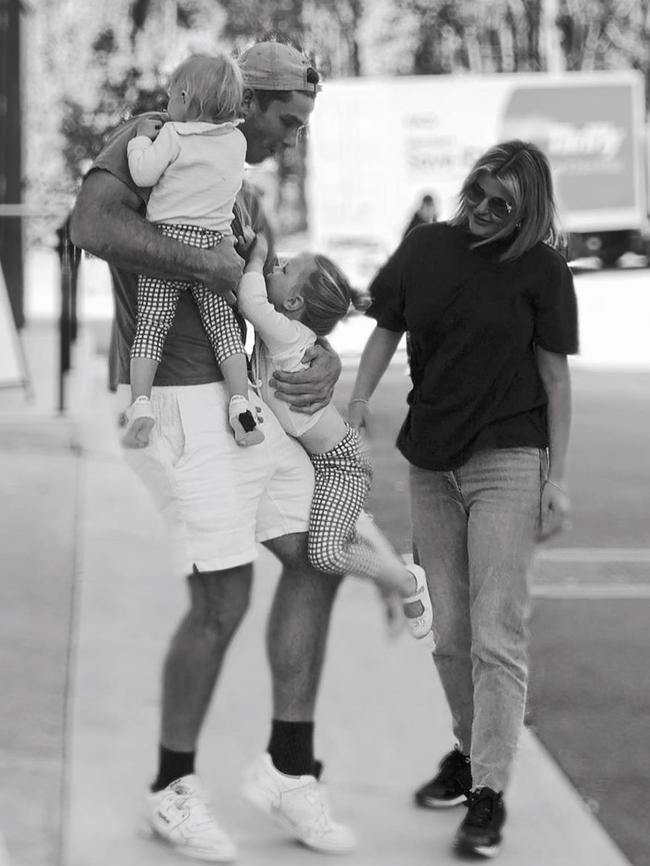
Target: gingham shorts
pixel 157 301
pixel 342 478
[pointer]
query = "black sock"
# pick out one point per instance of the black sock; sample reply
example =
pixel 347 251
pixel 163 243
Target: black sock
pixel 171 766
pixel 291 747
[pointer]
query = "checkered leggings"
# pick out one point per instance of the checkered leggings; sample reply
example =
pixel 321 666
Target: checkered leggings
pixel 157 301
pixel 342 479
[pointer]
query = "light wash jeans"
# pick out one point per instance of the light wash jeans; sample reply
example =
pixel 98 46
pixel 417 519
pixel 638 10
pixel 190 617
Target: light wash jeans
pixel 474 533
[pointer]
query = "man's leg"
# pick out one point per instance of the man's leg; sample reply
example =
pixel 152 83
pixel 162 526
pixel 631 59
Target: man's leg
pixel 297 629
pixel 179 811
pixel 218 602
pixel 284 782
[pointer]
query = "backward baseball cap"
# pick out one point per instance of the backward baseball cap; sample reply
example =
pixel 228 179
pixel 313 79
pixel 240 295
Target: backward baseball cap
pixel 276 66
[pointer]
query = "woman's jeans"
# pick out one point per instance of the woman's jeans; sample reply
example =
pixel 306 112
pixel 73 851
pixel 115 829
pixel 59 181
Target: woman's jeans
pixel 474 534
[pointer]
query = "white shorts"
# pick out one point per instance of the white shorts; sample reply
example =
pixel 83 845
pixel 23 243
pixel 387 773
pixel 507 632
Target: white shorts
pixel 218 498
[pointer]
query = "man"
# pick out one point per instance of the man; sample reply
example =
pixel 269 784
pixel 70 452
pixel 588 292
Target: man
pixel 218 497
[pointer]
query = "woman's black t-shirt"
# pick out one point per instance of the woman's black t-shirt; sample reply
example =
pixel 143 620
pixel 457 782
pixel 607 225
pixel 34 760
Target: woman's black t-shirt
pixel 473 324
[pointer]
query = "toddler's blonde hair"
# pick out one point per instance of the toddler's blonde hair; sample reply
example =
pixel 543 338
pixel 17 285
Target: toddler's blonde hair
pixel 214 85
pixel 328 297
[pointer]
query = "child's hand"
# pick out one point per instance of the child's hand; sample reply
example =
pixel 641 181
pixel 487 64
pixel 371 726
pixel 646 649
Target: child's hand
pixel 254 248
pixel 245 242
pixel 260 248
pixel 149 127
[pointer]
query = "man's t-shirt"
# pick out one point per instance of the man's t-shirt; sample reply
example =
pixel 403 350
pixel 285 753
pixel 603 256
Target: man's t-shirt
pixel 473 324
pixel 188 357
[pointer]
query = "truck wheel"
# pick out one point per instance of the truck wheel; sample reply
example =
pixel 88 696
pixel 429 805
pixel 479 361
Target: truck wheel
pixel 609 256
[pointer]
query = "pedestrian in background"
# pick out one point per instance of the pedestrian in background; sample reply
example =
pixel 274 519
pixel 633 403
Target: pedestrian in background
pixel 490 310
pixel 426 213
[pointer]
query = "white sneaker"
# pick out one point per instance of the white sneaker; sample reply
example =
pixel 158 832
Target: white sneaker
pixel 299 804
pixel 180 816
pixel 420 624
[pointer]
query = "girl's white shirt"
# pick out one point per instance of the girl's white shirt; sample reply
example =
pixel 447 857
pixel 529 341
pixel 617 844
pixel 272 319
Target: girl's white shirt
pixel 196 170
pixel 280 344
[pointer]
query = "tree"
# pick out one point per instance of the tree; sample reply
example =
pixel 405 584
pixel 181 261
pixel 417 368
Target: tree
pixel 606 34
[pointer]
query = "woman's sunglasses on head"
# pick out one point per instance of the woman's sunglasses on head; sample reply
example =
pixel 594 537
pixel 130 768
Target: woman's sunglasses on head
pixel 497 206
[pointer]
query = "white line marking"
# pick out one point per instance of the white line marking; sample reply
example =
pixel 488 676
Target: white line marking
pixel 594 554
pixel 591 591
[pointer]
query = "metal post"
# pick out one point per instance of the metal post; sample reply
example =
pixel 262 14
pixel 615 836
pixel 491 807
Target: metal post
pixel 11 231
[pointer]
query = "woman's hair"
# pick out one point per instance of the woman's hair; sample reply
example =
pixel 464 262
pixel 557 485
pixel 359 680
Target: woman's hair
pixel 524 171
pixel 328 295
pixel 214 85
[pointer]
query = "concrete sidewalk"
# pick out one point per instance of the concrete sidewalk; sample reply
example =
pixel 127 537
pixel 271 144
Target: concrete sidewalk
pixel 382 722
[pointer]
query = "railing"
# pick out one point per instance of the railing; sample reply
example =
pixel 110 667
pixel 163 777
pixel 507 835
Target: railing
pixel 69 260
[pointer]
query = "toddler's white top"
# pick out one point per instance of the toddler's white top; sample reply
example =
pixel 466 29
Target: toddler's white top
pixel 280 343
pixel 196 170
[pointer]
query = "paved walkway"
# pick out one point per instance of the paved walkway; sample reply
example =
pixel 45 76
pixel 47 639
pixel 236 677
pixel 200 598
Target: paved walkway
pixel 382 718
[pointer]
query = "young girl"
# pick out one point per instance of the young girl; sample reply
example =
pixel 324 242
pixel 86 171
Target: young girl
pixel 295 305
pixel 490 310
pixel 195 164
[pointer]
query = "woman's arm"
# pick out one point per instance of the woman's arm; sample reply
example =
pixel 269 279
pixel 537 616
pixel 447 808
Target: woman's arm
pixel 107 221
pixel 554 372
pixel 376 357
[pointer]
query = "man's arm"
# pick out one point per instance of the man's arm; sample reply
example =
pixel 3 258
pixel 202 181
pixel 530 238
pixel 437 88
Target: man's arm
pixel 310 389
pixel 107 222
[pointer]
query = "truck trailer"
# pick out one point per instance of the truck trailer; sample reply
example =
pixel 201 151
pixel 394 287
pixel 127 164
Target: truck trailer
pixel 380 144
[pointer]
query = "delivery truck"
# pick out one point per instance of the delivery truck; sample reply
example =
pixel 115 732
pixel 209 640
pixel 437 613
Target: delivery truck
pixel 379 144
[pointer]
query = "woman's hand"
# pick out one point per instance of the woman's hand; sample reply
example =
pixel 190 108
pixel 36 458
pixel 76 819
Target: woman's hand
pixel 555 510
pixel 360 416
pixel 309 390
pixel 393 612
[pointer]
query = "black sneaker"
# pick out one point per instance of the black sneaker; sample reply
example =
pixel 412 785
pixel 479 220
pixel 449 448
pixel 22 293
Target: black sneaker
pixel 451 784
pixel 480 831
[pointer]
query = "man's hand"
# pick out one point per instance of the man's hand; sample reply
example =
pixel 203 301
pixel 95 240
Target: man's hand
pixel 555 509
pixel 149 127
pixel 222 270
pixel 309 390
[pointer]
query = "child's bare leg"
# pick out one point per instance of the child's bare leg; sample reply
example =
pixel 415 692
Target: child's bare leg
pixel 407 580
pixel 139 415
pixel 241 414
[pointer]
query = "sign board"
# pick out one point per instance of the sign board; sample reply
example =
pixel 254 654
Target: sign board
pixel 12 366
pixel 377 145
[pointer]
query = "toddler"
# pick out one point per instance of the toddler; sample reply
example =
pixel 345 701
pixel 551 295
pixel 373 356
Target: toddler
pixel 195 164
pixel 289 310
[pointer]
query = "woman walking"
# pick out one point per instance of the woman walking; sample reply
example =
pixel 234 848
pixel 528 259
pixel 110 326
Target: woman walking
pixel 490 311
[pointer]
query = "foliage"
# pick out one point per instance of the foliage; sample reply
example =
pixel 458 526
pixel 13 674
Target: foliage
pixel 606 34
pixel 90 64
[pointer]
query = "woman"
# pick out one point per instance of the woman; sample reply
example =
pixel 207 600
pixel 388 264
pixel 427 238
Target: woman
pixel 490 311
